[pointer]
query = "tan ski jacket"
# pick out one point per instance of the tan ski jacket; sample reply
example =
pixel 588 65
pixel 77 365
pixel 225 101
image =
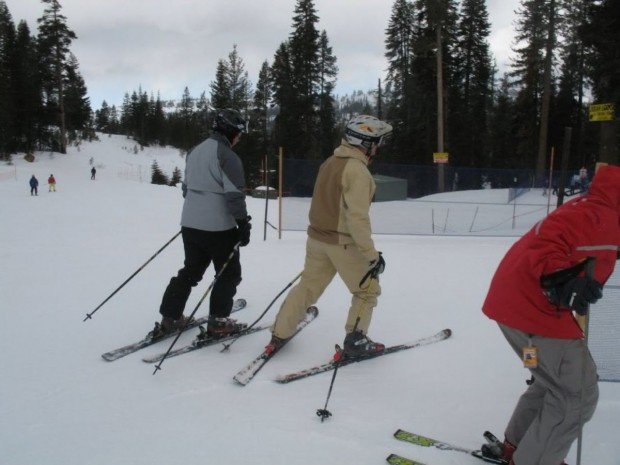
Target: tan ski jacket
pixel 343 191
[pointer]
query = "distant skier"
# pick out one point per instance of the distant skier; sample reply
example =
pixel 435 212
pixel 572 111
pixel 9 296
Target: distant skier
pixel 339 239
pixel 214 219
pixel 93 172
pixel 536 288
pixel 51 181
pixel 34 185
pixel 583 179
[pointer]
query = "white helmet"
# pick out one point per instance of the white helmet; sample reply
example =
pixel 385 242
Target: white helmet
pixel 365 130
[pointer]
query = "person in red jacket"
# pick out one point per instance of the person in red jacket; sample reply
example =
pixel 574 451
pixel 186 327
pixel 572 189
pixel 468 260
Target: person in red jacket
pixel 538 285
pixel 51 181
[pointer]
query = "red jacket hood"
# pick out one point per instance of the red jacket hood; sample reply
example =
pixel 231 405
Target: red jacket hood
pixel 605 186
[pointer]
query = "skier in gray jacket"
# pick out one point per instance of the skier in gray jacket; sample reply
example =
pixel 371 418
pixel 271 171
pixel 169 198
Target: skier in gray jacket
pixel 213 221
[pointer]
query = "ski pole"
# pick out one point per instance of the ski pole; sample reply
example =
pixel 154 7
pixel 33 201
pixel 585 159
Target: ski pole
pixel 217 276
pixel 590 263
pixel 227 346
pixel 323 413
pixel 89 315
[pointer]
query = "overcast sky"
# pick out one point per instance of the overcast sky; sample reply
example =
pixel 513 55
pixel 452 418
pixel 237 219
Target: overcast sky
pixel 165 45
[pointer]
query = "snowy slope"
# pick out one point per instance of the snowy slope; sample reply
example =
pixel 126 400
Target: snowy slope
pixel 60 404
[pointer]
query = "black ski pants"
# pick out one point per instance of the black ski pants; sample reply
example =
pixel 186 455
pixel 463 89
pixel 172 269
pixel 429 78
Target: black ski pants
pixel 202 248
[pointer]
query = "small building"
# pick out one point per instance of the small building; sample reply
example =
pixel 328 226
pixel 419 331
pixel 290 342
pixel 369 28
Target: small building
pixel 389 188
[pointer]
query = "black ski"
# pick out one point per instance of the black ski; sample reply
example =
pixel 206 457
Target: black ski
pixel 246 375
pixel 424 441
pixel 202 340
pixel 440 336
pixel 115 354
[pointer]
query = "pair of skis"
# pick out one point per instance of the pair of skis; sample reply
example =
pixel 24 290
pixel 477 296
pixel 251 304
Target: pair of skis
pixel 244 376
pixel 149 340
pixel 402 435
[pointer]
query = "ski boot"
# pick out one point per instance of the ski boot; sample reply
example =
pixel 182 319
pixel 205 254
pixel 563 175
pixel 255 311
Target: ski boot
pixel 222 327
pixel 275 344
pixel 167 326
pixel 357 344
pixel 496 450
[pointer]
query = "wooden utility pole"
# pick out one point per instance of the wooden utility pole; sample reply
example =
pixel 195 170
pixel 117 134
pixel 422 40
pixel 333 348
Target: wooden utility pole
pixel 440 119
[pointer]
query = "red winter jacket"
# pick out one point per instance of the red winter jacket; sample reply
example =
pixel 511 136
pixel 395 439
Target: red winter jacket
pixel 587 226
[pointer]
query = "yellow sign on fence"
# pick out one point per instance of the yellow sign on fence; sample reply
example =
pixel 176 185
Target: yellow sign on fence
pixel 602 112
pixel 440 157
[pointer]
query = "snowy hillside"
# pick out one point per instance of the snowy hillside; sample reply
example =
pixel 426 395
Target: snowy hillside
pixel 63 253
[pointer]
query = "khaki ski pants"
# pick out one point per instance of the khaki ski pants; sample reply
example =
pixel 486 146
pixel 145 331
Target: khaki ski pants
pixel 322 263
pixel 547 417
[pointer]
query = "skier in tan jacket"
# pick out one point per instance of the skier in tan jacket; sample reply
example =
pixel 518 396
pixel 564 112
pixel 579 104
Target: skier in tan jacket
pixel 339 239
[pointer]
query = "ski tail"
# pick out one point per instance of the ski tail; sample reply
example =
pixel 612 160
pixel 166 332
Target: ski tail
pixel 394 459
pixel 245 375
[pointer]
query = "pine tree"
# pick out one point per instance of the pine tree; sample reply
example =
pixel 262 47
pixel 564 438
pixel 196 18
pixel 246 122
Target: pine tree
pixel 220 89
pixel 328 70
pixel 26 90
pixel 262 101
pixel 157 122
pixel 55 37
pixel 502 150
pixel 399 52
pixel 304 56
pixel 157 176
pixel 285 133
pixel 379 100
pixel 77 102
pixel 527 74
pixel 115 124
pixel 202 116
pixel 102 118
pixel 602 37
pixel 185 110
pixel 471 87
pixel 238 83
pixel 176 176
pixel 7 109
pixel 568 108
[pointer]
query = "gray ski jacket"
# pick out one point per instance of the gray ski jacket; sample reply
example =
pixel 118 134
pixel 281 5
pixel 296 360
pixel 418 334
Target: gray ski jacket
pixel 213 186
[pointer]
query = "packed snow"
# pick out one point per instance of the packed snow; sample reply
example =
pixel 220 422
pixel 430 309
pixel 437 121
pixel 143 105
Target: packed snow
pixel 64 252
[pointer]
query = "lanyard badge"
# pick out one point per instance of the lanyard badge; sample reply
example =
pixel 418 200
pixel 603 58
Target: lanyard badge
pixel 530 355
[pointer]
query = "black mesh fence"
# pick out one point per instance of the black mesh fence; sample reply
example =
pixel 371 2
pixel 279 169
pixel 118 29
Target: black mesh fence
pixel 299 176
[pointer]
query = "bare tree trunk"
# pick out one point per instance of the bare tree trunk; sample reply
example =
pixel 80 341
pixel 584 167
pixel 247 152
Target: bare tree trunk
pixel 61 96
pixel 546 97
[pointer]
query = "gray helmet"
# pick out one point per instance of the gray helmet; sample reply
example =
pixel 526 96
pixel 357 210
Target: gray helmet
pixel 229 122
pixel 365 130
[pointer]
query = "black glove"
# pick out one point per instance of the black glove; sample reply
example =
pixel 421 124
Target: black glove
pixel 377 266
pixel 244 227
pixel 578 293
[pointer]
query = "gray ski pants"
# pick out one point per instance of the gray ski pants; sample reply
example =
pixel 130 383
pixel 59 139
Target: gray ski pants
pixel 547 417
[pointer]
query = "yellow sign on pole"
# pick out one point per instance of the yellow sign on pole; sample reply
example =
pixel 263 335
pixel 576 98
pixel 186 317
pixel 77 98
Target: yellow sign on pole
pixel 602 112
pixel 440 157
